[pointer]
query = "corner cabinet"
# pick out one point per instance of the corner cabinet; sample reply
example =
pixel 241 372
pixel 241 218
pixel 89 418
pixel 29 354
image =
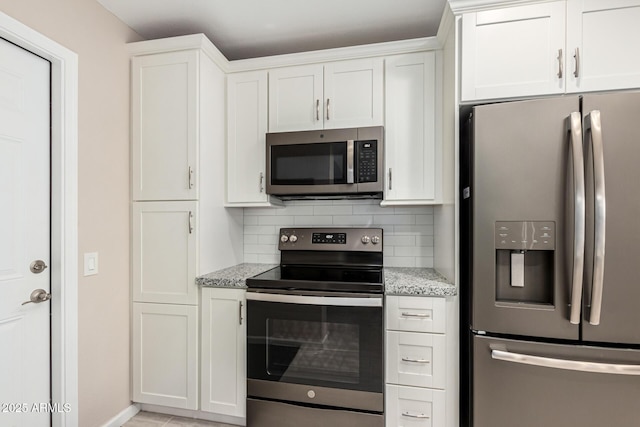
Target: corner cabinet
pixel 549 48
pixel 339 94
pixel 413 141
pixel 223 386
pixel 179 228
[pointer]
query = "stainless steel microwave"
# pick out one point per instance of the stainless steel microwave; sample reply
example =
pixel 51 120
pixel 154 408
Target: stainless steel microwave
pixel 326 163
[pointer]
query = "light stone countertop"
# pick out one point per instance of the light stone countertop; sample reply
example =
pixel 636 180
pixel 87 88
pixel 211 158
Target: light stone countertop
pixel 417 282
pixel 233 277
pixel 398 280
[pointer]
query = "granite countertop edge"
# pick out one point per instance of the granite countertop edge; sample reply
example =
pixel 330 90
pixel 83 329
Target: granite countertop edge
pixel 398 280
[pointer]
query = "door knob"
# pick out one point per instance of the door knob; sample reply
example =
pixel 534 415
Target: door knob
pixel 38 296
pixel 37 266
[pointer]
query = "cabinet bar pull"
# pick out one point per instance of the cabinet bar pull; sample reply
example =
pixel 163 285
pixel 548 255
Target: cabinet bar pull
pixel 576 56
pixel 389 178
pixel 328 100
pixel 190 222
pixel 420 315
pixel 410 415
pixel 240 312
pixel 408 359
pixel 190 177
pixel 261 182
pixel 559 63
pixel 317 109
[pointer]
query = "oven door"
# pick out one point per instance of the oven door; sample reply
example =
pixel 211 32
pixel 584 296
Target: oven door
pixel 316 349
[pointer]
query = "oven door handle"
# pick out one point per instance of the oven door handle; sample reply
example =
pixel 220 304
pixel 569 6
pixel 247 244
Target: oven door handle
pixel 375 301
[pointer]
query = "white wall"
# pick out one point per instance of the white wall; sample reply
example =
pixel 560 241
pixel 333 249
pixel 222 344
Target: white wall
pixel 408 231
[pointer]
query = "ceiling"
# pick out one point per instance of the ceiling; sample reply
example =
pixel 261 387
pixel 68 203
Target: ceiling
pixel 243 29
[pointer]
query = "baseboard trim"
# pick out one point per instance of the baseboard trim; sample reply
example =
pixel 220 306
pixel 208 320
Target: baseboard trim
pixel 123 416
pixel 201 415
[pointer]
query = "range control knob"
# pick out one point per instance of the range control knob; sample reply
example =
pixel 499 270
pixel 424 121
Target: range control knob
pixel 365 239
pixel 284 238
pixel 375 240
pixel 293 238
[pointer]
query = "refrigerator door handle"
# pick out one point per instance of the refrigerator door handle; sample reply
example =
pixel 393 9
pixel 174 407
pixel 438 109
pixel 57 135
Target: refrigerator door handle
pixel 593 126
pixel 571 365
pixel 574 127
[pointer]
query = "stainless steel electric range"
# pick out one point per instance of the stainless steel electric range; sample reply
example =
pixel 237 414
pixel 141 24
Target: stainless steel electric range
pixel 315 334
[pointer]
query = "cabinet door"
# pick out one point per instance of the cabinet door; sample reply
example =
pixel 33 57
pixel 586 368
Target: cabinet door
pixel 415 407
pixel 223 351
pixel 416 359
pixel 515 51
pixel 164 252
pixel 165 355
pixel 164 103
pixel 410 142
pixel 602 45
pixel 353 93
pixel 295 98
pixel 246 145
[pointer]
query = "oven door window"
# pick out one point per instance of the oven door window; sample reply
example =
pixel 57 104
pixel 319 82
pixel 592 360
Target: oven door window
pixel 309 164
pixel 338 347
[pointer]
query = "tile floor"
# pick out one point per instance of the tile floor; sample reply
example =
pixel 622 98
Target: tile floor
pixel 150 419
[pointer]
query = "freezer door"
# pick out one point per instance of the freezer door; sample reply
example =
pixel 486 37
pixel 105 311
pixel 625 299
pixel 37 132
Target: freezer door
pixel 508 391
pixel 612 281
pixel 522 203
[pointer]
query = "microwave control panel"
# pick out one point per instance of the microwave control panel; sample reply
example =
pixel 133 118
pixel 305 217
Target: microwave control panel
pixel 367 152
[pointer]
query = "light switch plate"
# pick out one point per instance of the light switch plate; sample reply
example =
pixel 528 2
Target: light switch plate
pixel 90 263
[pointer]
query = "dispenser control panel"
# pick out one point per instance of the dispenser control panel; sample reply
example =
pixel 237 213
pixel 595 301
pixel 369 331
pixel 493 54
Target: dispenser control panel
pixel 525 235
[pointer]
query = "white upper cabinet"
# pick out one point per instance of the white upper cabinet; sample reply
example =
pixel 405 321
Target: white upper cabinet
pixel 336 95
pixel 550 48
pixel 602 45
pixel 515 51
pixel 353 94
pixel 164 126
pixel 295 94
pixel 412 142
pixel 246 134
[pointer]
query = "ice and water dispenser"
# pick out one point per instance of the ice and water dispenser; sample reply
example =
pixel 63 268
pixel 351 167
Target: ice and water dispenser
pixel 525 261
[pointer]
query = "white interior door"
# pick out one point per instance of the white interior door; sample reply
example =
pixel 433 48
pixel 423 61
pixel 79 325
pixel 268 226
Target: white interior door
pixel 24 236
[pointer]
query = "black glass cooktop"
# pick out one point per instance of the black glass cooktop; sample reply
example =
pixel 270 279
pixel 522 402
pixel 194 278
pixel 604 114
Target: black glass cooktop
pixel 320 278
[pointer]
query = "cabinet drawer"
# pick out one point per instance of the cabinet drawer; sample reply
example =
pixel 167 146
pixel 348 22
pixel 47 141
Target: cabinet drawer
pixel 414 407
pixel 416 314
pixel 416 359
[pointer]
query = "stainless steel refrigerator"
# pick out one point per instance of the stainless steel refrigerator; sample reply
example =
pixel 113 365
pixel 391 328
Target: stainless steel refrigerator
pixel 550 253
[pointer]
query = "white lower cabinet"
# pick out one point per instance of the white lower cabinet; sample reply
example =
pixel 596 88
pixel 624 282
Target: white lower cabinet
pixel 421 376
pixel 414 407
pixel 165 349
pixel 223 370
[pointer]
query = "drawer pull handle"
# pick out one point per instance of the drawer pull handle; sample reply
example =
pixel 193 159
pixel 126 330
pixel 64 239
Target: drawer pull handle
pixel 419 315
pixel 408 359
pixel 410 415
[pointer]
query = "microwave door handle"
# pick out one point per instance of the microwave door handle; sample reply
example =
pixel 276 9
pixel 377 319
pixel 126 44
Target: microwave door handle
pixel 350 156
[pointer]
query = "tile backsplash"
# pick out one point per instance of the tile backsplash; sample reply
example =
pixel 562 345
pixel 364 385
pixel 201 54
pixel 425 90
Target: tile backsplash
pixel 408 231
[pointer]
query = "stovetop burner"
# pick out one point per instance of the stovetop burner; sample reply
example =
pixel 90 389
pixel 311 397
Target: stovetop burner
pixel 322 259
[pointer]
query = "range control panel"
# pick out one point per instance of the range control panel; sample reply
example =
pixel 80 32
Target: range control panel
pixel 331 239
pixel 525 235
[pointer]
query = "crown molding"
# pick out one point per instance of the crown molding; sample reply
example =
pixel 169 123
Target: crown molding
pixel 462 6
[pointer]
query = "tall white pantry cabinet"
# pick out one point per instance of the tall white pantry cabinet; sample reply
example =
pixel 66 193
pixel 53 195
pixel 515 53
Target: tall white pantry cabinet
pixel 180 228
